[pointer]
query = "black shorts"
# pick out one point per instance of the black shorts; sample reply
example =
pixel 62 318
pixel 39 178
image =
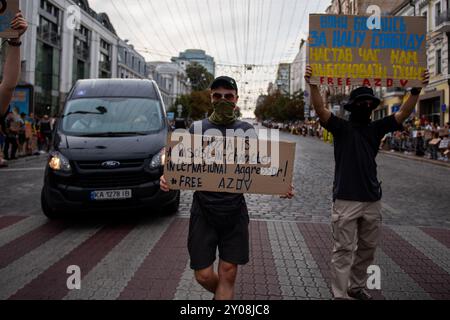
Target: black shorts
pixel 204 239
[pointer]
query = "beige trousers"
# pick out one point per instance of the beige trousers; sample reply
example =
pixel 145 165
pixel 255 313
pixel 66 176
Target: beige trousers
pixel 356 230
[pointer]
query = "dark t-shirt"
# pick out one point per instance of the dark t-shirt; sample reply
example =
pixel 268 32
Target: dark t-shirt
pixel 355 149
pixel 222 199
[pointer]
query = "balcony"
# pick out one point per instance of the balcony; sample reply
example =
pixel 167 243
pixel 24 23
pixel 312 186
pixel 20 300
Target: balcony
pixel 105 66
pixel 82 53
pixel 442 22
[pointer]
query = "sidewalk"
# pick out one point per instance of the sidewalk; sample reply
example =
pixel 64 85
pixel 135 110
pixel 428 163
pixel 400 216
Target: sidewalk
pixel 416 158
pixel 148 259
pixel 22 160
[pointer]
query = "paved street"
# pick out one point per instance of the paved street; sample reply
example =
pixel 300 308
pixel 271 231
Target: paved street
pixel 145 256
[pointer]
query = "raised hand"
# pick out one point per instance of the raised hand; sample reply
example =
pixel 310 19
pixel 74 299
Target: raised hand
pixel 19 24
pixel 308 74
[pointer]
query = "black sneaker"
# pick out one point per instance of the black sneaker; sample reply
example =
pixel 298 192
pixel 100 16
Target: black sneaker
pixel 360 294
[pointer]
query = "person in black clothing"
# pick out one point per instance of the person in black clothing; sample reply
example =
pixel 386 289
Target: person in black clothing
pixel 46 132
pixel 356 212
pixel 218 219
pixel 420 150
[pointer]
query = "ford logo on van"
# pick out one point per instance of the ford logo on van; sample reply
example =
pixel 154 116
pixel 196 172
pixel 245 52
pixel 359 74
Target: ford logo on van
pixel 110 164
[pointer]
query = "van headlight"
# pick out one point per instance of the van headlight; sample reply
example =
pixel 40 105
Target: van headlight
pixel 58 162
pixel 158 159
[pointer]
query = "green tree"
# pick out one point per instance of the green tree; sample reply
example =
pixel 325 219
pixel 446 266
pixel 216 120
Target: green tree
pixel 195 105
pixel 199 76
pixel 279 107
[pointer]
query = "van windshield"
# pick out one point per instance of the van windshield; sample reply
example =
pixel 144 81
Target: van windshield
pixel 112 116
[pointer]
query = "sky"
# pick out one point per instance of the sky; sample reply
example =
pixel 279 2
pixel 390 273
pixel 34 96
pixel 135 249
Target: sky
pixel 236 33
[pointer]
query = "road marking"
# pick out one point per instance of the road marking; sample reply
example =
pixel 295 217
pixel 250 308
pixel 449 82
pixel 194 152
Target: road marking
pixel 19 229
pixel 289 246
pixel 23 270
pixel 108 279
pixel 7 221
pixel 430 247
pixel 52 283
pixel 426 272
pixel 389 209
pixel 395 283
pixel 159 274
pixel 22 169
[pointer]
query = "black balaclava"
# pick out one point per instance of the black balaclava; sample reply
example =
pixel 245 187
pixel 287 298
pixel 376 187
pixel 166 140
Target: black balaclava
pixel 361 115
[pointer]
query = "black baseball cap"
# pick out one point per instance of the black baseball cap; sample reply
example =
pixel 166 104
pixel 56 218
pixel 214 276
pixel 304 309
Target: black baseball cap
pixel 225 82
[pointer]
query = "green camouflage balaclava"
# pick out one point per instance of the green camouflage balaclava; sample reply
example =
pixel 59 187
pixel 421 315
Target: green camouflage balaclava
pixel 223 112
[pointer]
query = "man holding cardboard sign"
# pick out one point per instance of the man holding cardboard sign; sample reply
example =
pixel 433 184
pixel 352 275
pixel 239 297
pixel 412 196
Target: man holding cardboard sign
pixel 356 213
pixel 218 219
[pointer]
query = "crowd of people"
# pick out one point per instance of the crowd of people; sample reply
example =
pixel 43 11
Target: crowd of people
pixel 24 135
pixel 419 137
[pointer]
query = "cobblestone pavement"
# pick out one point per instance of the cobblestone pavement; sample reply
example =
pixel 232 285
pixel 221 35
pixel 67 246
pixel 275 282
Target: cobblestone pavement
pixel 414 193
pixel 145 257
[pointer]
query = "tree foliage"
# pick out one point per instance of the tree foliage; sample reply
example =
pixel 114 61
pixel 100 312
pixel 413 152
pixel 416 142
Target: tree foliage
pixel 195 105
pixel 199 76
pixel 281 108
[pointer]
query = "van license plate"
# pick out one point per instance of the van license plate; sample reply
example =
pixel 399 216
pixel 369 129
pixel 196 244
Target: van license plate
pixel 111 195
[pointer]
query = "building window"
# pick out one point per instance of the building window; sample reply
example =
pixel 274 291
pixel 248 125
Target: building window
pixel 437 11
pixel 48 31
pixel 438 61
pixel 105 59
pixel 425 14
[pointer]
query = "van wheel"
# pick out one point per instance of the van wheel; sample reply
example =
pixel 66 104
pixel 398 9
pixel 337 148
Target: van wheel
pixel 172 208
pixel 46 209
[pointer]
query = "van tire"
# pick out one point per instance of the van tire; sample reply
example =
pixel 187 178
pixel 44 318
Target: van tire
pixel 173 207
pixel 49 212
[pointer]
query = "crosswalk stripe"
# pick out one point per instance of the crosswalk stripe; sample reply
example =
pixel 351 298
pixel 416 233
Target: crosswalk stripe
pixel 23 270
pixel 20 228
pixel 430 247
pixel 287 241
pixel 105 281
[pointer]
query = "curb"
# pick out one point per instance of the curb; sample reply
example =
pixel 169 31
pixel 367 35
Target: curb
pixel 418 159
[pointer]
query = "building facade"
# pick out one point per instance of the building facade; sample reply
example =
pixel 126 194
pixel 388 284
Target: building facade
pixel 297 80
pixel 171 78
pixel 359 7
pixel 435 98
pixel 131 64
pixel 67 41
pixel 57 52
pixel 194 55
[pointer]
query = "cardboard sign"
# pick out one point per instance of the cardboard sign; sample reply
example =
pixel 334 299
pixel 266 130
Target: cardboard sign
pixel 8 10
pixel 435 141
pixel 343 51
pixel 444 144
pixel 229 165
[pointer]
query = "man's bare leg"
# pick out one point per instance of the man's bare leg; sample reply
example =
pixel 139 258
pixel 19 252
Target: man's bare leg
pixel 207 278
pixel 227 279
